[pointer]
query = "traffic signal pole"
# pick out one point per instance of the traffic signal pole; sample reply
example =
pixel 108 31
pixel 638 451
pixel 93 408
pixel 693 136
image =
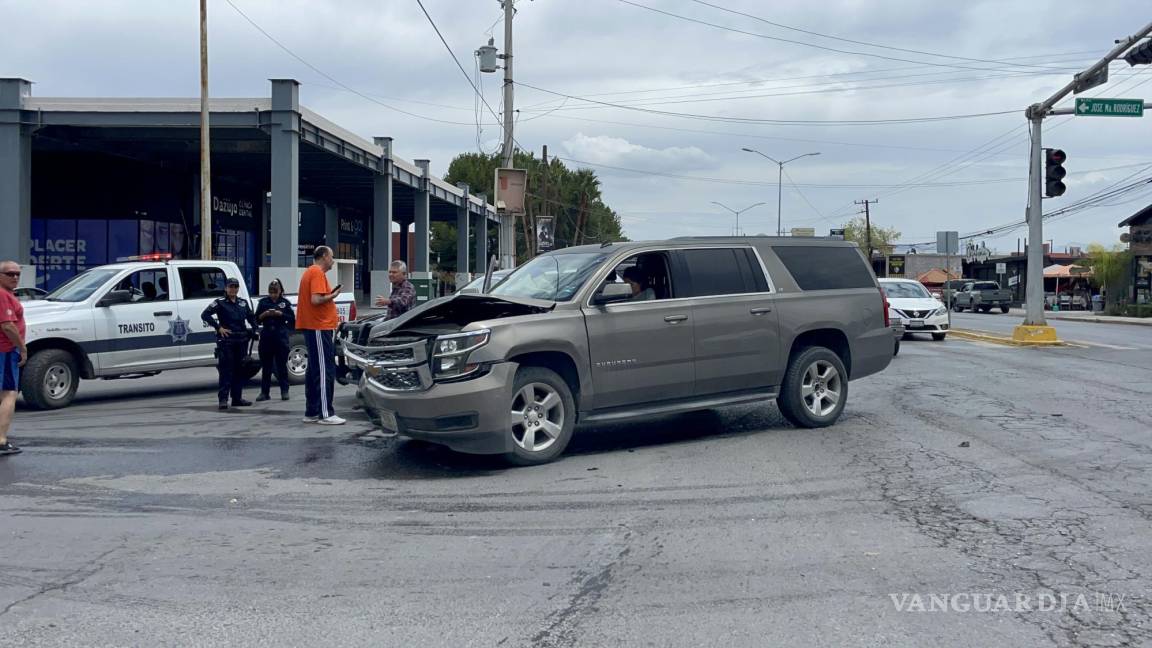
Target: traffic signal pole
pixel 1035 328
pixel 1034 297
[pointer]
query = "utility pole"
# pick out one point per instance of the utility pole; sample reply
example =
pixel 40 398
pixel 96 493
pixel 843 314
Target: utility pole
pixel 205 142
pixel 1035 326
pixel 509 142
pixel 509 12
pixel 868 225
pixel 544 201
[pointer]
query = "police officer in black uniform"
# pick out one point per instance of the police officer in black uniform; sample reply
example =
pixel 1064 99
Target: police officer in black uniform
pixel 231 316
pixel 278 320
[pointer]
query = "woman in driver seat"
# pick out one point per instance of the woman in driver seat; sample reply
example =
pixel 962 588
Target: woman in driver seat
pixel 641 291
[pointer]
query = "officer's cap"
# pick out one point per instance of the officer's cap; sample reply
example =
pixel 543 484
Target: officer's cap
pixel 232 281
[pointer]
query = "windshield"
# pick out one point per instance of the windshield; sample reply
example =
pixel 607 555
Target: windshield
pixel 82 285
pixel 553 277
pixel 905 290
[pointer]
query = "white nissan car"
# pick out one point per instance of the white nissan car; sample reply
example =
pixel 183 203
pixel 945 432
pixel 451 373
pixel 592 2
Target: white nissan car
pixel 911 303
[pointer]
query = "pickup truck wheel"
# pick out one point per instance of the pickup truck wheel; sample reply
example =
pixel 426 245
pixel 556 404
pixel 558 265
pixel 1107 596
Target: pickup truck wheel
pixel 49 379
pixel 297 360
pixel 985 309
pixel 958 308
pixel 815 388
pixel 1003 309
pixel 542 415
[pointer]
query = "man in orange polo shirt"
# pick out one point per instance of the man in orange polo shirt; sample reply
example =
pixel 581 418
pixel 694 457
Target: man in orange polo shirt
pixel 317 318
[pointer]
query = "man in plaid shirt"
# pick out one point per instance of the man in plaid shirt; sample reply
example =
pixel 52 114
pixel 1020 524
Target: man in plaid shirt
pixel 403 296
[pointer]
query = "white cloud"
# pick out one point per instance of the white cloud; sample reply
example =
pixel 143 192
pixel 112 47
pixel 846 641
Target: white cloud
pixel 617 151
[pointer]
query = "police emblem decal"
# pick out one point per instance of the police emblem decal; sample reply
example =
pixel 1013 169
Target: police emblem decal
pixel 178 329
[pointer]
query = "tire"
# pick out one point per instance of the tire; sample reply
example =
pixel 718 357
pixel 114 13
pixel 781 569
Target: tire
pixel 809 371
pixel 906 336
pixel 551 415
pixel 297 360
pixel 958 308
pixel 985 309
pixel 896 351
pixel 49 379
pixel 1004 309
pixel 939 337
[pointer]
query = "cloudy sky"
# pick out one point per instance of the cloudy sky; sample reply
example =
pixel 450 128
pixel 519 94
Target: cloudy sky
pixel 660 96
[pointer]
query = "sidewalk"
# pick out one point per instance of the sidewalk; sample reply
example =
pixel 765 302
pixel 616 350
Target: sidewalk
pixel 1087 316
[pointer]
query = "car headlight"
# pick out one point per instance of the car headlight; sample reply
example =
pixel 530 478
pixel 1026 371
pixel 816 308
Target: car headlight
pixel 940 311
pixel 451 353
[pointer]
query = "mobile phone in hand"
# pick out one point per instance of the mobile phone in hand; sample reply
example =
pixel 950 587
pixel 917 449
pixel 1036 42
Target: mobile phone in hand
pixel 336 290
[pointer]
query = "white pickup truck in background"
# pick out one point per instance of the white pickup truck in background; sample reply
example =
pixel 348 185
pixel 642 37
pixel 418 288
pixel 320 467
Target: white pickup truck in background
pixel 132 320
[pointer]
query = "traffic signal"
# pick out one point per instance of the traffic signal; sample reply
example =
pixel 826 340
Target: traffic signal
pixel 1140 55
pixel 1054 172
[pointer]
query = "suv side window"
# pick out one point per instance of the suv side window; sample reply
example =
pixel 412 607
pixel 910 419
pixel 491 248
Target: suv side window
pixel 648 273
pixel 718 271
pixel 202 283
pixel 826 268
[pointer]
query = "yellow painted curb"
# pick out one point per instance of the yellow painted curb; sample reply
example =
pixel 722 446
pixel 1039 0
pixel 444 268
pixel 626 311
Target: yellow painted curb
pixel 982 336
pixel 1033 334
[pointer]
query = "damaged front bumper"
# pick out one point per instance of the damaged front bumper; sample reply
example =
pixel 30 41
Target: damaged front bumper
pixel 396 385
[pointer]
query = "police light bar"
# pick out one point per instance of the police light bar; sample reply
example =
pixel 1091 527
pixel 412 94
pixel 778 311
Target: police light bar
pixel 155 256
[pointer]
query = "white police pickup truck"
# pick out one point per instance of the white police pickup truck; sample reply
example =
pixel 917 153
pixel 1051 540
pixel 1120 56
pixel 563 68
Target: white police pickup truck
pixel 132 320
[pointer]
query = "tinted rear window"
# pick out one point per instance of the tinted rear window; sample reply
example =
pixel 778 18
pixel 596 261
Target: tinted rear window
pixel 826 268
pixel 717 272
pixel 987 285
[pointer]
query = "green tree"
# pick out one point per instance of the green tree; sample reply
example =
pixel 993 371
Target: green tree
pixel 1110 269
pixel 573 197
pixel 883 238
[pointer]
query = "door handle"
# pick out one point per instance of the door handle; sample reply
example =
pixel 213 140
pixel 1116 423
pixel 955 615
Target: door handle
pixel 675 319
pixel 162 314
pixel 760 311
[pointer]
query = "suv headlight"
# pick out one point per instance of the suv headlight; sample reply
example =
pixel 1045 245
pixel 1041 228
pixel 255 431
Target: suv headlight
pixel 450 353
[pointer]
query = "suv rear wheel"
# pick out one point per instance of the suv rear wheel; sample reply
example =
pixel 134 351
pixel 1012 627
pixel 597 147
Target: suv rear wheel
pixel 815 388
pixel 542 415
pixel 49 380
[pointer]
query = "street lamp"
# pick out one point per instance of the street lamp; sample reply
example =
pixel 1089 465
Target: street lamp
pixel 737 212
pixel 779 183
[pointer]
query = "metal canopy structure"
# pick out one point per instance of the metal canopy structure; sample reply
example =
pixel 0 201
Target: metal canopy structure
pixel 267 142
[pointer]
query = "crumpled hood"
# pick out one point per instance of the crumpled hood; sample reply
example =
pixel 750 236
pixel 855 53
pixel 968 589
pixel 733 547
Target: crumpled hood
pixel 462 309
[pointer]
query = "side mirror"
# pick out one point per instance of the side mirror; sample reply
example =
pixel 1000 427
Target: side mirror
pixel 115 297
pixel 613 293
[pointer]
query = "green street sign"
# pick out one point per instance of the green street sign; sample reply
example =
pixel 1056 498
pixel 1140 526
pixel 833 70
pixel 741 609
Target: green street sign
pixel 1110 107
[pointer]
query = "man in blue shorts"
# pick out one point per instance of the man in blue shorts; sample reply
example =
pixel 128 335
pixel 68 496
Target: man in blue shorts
pixel 13 352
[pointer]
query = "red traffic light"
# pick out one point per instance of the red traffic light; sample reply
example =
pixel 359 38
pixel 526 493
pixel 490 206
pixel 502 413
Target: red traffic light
pixel 1056 156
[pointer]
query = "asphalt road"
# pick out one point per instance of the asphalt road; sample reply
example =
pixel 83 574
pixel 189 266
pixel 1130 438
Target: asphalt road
pixel 142 516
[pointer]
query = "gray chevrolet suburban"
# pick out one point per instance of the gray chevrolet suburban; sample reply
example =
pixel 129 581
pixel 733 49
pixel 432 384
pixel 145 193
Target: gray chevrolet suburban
pixel 626 331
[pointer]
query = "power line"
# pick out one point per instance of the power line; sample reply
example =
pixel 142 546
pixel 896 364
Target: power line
pixel 788 122
pixel 330 77
pixel 858 42
pixel 796 42
pixel 456 60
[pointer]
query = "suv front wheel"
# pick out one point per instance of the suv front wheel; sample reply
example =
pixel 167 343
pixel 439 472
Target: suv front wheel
pixel 542 415
pixel 815 388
